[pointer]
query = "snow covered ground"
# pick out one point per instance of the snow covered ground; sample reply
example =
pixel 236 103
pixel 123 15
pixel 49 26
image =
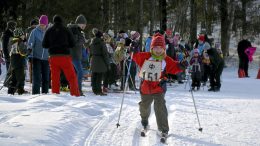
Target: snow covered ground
pixel 230 117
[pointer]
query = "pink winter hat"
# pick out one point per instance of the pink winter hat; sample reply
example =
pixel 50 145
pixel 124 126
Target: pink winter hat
pixel 43 20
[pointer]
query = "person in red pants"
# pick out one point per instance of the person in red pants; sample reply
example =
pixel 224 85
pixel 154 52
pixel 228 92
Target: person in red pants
pixel 58 39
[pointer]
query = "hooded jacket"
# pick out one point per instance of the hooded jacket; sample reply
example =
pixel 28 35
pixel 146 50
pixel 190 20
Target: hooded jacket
pixel 58 39
pixel 35 43
pixel 76 51
pixel 99 56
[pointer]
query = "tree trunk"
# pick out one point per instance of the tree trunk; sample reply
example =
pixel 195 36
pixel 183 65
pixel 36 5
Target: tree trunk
pixel 115 15
pixel 163 20
pixel 224 27
pixel 140 22
pixel 123 10
pixel 244 24
pixel 193 22
pixel 152 16
pixel 230 22
pixel 105 14
pixel 209 15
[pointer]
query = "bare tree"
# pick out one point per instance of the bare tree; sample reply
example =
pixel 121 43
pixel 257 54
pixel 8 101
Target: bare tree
pixel 193 21
pixel 163 18
pixel 152 15
pixel 244 24
pixel 140 21
pixel 105 14
pixel 227 14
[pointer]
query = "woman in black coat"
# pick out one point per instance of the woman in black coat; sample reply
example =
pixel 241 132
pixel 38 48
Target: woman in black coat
pixel 216 68
pixel 99 61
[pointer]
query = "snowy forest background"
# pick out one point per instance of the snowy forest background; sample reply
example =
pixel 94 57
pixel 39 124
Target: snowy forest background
pixel 236 17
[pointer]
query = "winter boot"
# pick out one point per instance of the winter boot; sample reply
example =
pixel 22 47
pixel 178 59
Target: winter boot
pixel 164 134
pixel 100 93
pixel 22 91
pixel 217 89
pixel 180 82
pixel 211 89
pixel 81 93
pixel 11 90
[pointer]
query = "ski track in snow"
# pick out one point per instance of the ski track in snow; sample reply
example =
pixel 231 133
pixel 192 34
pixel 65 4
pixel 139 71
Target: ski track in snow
pixel 106 132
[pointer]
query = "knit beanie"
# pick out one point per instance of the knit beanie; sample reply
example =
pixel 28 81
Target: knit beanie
pixel 134 35
pixel 201 38
pixel 57 19
pixel 44 20
pixel 11 25
pixel 158 40
pixel 18 32
pixel 34 22
pixel 169 32
pixel 81 19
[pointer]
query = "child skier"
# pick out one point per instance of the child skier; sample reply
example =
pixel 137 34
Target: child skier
pixel 17 63
pixel 195 63
pixel 153 67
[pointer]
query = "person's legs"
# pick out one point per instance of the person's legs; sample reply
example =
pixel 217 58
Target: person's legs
pixel 7 64
pixel 78 67
pixel 70 75
pixel 246 62
pixel 20 77
pixel 55 75
pixel 145 108
pixel 106 79
pixel 45 69
pixel 112 74
pixel 218 73
pixel 123 74
pixel 11 81
pixel 161 113
pixel 99 82
pixel 36 76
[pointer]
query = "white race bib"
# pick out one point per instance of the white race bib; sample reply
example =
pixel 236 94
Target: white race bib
pixel 151 70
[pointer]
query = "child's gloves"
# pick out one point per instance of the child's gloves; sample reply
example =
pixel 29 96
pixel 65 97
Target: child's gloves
pixel 162 81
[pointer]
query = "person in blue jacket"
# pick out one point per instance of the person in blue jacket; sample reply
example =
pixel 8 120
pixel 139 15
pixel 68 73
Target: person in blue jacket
pixel 40 64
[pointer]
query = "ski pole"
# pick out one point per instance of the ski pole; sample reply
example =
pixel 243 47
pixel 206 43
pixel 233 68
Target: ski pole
pixel 188 81
pixel 122 102
pixel 131 79
pixel 200 128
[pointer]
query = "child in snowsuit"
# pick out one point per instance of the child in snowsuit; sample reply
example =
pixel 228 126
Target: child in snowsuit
pixel 17 63
pixel 153 67
pixel 195 63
